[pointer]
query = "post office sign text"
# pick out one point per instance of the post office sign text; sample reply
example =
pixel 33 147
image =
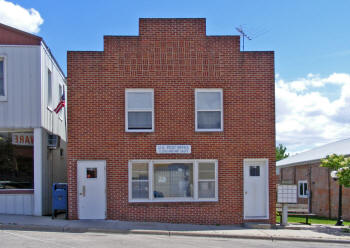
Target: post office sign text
pixel 173 149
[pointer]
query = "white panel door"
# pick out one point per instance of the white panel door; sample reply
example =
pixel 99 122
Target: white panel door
pixel 92 189
pixel 256 189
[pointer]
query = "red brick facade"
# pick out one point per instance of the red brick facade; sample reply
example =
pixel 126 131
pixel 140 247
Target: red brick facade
pixel 174 57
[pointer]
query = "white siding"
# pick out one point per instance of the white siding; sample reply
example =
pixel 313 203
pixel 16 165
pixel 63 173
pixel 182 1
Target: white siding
pixel 16 204
pixel 26 108
pixel 22 107
pixel 50 120
pixel 52 164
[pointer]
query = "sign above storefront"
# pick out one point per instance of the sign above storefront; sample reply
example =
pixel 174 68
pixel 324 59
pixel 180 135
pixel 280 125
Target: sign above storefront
pixel 23 139
pixel 173 149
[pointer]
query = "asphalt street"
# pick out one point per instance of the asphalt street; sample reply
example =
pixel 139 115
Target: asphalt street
pixel 38 239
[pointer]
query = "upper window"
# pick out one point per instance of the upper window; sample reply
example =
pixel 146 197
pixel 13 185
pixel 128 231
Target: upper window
pixel 139 110
pixel 303 191
pixel 209 116
pixel 173 180
pixel 49 89
pixel 2 79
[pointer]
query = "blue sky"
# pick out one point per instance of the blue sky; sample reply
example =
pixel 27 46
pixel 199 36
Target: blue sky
pixel 311 40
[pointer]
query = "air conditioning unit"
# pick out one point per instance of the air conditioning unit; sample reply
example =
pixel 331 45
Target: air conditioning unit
pixel 53 141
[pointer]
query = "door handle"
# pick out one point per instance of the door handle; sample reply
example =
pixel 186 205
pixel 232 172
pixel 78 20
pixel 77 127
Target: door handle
pixel 83 192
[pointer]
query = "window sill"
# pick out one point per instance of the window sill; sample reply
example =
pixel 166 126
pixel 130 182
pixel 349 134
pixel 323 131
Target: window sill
pixel 16 191
pixel 140 131
pixel 208 130
pixel 3 99
pixel 171 200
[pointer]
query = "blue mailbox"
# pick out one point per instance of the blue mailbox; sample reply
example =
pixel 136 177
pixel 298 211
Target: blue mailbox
pixel 59 198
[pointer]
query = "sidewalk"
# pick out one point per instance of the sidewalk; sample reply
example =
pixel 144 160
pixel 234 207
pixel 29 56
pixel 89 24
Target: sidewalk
pixel 316 233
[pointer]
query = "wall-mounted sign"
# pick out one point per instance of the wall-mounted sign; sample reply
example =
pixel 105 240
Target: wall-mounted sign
pixel 287 193
pixel 23 139
pixel 171 149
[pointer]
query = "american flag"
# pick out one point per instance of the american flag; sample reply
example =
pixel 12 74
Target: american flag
pixel 61 104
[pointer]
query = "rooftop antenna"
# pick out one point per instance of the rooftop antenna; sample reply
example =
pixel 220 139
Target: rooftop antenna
pixel 244 35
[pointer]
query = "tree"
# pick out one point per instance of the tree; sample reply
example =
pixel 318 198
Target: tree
pixel 281 152
pixel 340 165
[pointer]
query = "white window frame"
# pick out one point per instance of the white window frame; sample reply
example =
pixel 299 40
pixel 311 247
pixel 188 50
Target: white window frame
pixel 221 111
pixel 49 92
pixel 303 182
pixel 4 59
pixel 195 197
pixel 138 110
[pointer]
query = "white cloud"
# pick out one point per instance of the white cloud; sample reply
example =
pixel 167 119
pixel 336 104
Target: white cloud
pixel 16 16
pixel 305 114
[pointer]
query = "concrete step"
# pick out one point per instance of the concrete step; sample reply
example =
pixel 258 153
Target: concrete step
pixel 257 225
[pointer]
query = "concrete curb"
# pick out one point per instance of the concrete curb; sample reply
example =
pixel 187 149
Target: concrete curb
pixel 231 236
pixel 30 227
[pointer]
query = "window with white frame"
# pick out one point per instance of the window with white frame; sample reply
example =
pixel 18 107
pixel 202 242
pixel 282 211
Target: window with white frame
pixel 303 190
pixel 139 110
pixel 2 79
pixel 173 180
pixel 209 114
pixel 139 181
pixel 206 180
pixel 49 88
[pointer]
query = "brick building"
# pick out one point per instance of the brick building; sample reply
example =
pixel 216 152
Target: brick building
pixel 315 186
pixel 172 125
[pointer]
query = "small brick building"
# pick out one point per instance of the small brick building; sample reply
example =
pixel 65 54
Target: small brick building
pixel 315 186
pixel 172 125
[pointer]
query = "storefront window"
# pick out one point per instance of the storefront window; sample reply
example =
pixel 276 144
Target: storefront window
pixel 173 180
pixel 16 161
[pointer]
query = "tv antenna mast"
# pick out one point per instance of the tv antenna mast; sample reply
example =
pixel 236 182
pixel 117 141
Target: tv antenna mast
pixel 243 34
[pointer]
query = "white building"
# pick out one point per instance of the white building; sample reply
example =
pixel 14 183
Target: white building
pixel 31 85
